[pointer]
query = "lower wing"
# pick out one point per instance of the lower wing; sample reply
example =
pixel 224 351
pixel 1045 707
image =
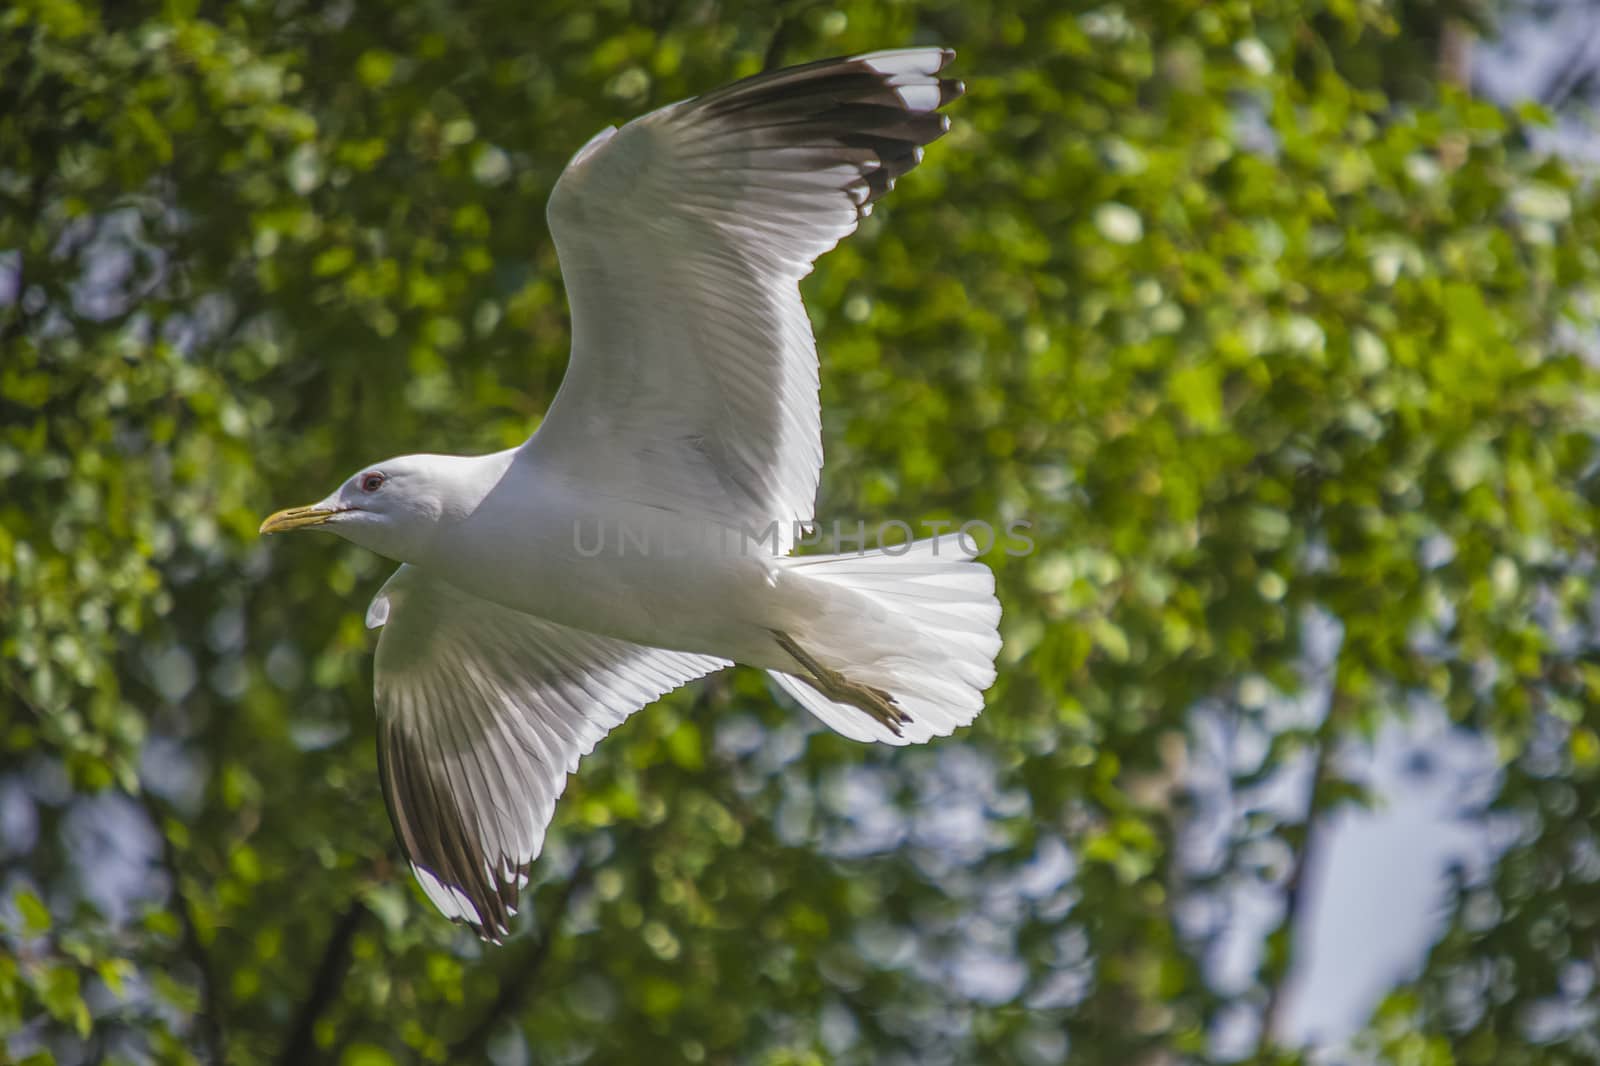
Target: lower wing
pixel 483 711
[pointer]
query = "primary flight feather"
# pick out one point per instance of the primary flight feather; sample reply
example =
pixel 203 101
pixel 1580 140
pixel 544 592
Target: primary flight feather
pixel 531 614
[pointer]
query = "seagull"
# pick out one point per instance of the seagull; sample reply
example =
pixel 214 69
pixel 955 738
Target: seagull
pixel 641 538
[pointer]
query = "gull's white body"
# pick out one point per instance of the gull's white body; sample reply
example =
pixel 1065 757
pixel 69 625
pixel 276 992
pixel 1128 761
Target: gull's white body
pixel 540 543
pixel 638 539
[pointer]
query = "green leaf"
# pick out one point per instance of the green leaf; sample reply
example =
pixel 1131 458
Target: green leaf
pixel 35 915
pixel 360 1054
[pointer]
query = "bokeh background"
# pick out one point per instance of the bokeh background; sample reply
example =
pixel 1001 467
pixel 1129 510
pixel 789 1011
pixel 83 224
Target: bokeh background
pixel 1276 320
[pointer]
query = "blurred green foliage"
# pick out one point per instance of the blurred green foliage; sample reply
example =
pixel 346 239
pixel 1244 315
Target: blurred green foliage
pixel 1250 332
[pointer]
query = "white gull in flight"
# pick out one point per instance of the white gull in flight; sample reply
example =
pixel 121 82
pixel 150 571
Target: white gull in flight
pixel 514 635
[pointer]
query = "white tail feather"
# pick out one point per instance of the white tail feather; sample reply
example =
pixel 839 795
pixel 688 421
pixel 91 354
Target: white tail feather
pixel 922 624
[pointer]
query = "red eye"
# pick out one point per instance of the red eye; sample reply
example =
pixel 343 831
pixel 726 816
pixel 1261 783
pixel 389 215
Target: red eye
pixel 371 482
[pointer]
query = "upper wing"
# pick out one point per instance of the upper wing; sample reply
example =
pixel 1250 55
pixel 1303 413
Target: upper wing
pixel 683 238
pixel 482 713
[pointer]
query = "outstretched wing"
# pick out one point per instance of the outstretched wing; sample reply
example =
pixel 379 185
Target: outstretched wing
pixel 482 713
pixel 683 238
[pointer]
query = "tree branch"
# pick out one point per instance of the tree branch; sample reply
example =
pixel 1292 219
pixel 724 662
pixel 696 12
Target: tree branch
pixel 208 1020
pixel 520 977
pixel 1455 54
pixel 1272 1015
pixel 773 57
pixel 788 14
pixel 1576 68
pixel 301 1046
pixel 1305 859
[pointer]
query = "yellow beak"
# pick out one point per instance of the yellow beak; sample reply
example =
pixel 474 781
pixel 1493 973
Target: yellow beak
pixel 297 518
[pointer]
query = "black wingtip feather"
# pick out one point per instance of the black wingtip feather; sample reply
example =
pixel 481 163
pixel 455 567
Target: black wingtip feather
pixel 442 844
pixel 874 111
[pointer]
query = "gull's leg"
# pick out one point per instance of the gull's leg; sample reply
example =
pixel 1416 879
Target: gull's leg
pixel 834 685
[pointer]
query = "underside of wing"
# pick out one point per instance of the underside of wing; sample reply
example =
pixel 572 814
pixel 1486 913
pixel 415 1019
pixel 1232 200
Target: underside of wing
pixel 683 237
pixel 482 713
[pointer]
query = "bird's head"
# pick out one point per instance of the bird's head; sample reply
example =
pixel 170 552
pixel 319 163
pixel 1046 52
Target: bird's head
pixel 393 508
